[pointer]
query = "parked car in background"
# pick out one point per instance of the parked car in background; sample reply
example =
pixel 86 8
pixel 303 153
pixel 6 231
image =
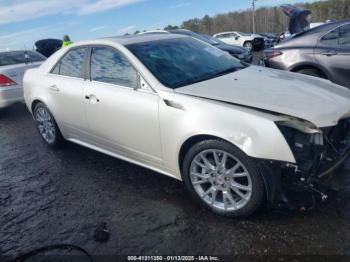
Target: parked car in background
pixel 249 41
pixel 237 135
pixel 47 47
pixel 323 51
pixel 13 64
pixel 270 39
pixel 153 32
pixel 238 52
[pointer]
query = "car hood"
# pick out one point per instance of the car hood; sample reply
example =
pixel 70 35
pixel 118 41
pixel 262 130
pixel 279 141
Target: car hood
pixel 309 98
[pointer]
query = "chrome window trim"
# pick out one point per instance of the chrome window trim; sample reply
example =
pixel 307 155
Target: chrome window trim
pixel 337 27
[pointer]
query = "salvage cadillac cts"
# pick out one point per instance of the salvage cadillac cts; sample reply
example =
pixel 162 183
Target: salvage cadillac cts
pixel 237 135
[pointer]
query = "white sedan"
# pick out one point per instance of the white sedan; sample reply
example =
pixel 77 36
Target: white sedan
pixel 237 135
pixel 12 67
pixel 249 41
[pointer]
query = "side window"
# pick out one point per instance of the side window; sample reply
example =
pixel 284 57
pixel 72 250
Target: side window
pixel 72 64
pixel 223 36
pixel 344 36
pixel 110 66
pixel 330 39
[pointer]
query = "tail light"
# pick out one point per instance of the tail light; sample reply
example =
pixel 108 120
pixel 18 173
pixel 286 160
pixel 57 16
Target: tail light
pixel 271 54
pixel 6 81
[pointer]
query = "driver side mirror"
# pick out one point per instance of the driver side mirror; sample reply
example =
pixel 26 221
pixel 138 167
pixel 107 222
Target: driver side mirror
pixel 237 37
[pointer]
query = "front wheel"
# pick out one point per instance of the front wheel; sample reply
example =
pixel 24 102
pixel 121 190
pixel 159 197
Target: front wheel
pixel 223 179
pixel 47 126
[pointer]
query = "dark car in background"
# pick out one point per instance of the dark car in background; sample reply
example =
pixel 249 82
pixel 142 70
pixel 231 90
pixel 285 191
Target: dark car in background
pixel 323 51
pixel 47 47
pixel 238 52
pixel 270 39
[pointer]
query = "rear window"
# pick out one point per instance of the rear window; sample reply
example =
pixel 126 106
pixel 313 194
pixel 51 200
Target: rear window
pixel 20 57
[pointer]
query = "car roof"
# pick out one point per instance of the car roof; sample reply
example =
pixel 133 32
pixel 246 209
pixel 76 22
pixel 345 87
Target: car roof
pixel 227 32
pixel 153 32
pixel 142 38
pixel 325 27
pixel 311 36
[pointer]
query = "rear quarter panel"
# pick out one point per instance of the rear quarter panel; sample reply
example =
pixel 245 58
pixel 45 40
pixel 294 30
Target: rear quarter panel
pixel 33 81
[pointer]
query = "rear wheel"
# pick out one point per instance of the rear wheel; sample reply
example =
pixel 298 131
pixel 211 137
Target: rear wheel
pixel 47 126
pixel 248 45
pixel 223 179
pixel 311 72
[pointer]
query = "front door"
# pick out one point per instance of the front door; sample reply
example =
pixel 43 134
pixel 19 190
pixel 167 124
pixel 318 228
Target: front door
pixel 121 117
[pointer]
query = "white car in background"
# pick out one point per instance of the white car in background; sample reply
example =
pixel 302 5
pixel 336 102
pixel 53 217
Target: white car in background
pixel 249 41
pixel 13 64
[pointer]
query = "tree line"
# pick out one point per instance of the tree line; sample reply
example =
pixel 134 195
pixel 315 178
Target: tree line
pixel 268 19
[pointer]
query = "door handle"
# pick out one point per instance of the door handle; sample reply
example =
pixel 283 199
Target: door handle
pixel 93 99
pixel 329 53
pixel 54 88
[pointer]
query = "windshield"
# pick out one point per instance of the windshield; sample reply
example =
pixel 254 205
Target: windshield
pixel 183 61
pixel 19 57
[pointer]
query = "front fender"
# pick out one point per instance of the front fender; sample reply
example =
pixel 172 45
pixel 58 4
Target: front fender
pixel 252 131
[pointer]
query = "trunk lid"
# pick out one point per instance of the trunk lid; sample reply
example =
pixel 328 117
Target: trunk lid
pixel 299 18
pixel 16 72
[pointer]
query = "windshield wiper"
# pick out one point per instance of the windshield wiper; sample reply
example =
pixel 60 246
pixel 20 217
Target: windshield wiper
pixel 206 77
pixel 227 71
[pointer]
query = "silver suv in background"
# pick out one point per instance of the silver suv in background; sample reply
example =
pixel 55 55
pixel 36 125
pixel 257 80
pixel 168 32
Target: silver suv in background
pixel 323 51
pixel 13 64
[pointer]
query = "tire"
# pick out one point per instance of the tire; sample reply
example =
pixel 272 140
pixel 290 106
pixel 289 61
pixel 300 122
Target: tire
pixel 311 72
pixel 47 126
pixel 220 183
pixel 248 45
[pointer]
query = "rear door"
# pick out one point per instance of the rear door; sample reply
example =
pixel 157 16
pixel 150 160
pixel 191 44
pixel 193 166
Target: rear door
pixel 333 53
pixel 65 93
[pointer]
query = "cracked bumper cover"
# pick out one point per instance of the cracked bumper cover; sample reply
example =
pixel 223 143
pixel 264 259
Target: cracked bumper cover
pixel 314 162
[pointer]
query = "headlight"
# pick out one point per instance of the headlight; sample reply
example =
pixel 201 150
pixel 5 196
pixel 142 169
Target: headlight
pixel 304 140
pixel 241 56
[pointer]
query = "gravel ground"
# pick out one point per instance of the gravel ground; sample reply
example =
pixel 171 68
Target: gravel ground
pixel 61 196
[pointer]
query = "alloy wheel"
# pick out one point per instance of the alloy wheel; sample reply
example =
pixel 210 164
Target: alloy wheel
pixel 45 124
pixel 220 180
pixel 249 46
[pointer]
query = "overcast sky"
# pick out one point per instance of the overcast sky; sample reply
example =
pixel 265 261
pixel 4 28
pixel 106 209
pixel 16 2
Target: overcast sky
pixel 22 22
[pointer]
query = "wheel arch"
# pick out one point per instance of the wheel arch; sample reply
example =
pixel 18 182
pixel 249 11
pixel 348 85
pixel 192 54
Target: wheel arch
pixel 302 66
pixel 38 100
pixel 194 139
pixel 191 141
pixel 247 41
pixel 34 103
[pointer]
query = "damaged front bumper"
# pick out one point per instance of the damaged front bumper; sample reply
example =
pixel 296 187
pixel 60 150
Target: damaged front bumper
pixel 317 154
